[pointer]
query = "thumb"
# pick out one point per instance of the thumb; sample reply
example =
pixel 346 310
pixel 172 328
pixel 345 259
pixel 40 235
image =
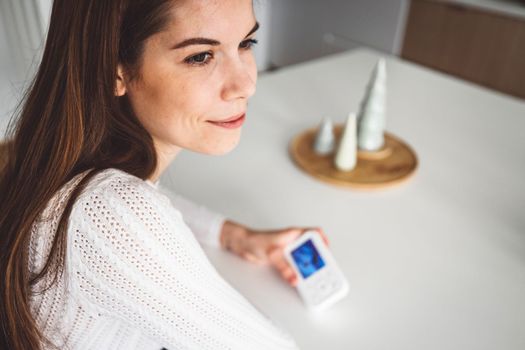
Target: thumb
pixel 287 236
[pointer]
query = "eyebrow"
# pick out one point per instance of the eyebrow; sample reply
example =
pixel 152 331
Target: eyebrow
pixel 206 41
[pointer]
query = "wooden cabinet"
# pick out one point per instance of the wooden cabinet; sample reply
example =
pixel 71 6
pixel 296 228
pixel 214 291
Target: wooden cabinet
pixel 478 45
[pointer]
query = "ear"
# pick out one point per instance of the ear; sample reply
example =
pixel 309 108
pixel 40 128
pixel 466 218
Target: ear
pixel 120 85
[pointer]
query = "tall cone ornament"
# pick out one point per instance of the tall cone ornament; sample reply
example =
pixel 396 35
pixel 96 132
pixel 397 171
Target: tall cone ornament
pixel 325 138
pixel 346 156
pixel 372 115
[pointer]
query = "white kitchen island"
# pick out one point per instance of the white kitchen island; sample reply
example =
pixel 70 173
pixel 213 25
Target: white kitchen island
pixel 436 263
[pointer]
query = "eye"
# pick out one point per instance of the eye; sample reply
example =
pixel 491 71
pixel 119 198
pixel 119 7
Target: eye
pixel 199 59
pixel 247 44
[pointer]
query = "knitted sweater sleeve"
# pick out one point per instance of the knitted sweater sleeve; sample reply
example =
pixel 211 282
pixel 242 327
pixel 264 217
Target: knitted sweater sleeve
pixel 205 224
pixel 132 257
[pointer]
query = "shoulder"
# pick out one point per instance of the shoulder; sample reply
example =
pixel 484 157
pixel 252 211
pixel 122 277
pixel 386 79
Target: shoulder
pixel 112 178
pixel 116 202
pixel 118 182
pixel 116 188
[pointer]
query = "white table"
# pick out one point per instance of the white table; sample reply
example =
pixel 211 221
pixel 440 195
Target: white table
pixel 438 263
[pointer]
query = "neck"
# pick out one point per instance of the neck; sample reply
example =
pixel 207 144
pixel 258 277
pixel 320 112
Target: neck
pixel 165 155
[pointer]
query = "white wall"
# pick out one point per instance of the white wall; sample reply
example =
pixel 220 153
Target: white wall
pixel 44 9
pixel 22 25
pixel 22 28
pixel 7 76
pixel 263 14
pixel 307 29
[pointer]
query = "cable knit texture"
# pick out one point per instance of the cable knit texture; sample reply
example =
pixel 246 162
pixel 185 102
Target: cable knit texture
pixel 136 276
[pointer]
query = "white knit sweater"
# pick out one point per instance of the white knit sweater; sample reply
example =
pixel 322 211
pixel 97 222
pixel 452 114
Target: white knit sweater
pixel 136 276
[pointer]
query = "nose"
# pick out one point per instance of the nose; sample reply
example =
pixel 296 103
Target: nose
pixel 240 79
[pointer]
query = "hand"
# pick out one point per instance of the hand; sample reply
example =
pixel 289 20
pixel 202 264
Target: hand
pixel 264 247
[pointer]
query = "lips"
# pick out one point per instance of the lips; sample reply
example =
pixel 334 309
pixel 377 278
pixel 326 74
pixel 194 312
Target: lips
pixel 230 123
pixel 235 117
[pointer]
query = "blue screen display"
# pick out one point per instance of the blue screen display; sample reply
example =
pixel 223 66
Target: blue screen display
pixel 307 258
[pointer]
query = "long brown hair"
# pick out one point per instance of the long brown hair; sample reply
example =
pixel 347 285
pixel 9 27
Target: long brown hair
pixel 69 121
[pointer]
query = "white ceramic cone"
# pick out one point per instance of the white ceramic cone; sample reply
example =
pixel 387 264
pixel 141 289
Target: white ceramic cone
pixel 325 138
pixel 372 114
pixel 346 156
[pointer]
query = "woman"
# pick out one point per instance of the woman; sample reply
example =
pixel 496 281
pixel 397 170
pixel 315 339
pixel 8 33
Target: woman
pixel 93 255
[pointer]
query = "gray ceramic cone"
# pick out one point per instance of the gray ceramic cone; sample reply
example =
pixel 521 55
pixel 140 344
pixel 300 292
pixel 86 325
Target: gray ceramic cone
pixel 325 139
pixel 372 114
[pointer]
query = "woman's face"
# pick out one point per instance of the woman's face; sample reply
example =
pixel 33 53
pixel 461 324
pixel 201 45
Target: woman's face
pixel 197 72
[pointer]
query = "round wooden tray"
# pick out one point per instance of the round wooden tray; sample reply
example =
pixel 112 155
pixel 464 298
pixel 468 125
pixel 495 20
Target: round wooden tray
pixel 392 165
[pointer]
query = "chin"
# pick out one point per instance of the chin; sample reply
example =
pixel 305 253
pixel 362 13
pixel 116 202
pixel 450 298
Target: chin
pixel 224 150
pixel 222 147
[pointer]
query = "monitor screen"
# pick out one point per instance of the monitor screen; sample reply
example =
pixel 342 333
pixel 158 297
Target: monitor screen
pixel 307 259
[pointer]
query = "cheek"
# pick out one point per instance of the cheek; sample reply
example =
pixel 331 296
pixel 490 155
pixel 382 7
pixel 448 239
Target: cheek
pixel 173 106
pixel 253 69
pixel 167 100
pixel 174 110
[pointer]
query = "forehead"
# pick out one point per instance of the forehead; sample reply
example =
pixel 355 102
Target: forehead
pixel 213 19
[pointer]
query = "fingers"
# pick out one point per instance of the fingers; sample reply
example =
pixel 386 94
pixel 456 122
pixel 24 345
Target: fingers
pixel 283 237
pixel 322 233
pixel 267 247
pixel 252 258
pixel 325 237
pixel 318 229
pixel 289 276
pixel 285 270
